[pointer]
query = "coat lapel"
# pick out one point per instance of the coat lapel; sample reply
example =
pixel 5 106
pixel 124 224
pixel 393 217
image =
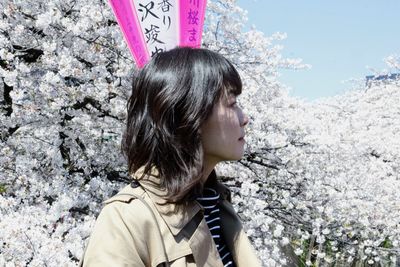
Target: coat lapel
pixel 203 246
pixel 175 216
pixel 242 251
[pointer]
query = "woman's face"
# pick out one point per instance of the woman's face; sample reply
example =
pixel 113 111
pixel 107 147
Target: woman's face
pixel 223 132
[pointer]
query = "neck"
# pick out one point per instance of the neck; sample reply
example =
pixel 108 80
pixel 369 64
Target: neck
pixel 209 165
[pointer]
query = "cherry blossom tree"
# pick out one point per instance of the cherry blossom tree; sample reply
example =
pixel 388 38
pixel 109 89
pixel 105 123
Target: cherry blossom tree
pixel 321 177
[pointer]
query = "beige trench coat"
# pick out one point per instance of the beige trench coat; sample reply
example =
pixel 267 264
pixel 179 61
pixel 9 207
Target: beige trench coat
pixel 129 232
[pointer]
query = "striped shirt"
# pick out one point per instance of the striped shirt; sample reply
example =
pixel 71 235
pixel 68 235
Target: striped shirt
pixel 210 202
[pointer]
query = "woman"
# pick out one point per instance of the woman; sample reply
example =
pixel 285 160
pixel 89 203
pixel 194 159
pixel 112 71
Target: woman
pixel 183 119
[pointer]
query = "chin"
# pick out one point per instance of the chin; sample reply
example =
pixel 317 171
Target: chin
pixel 237 157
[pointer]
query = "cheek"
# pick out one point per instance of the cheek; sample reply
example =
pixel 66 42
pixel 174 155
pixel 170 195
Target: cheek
pixel 222 128
pixel 222 134
pixel 230 124
pixel 211 137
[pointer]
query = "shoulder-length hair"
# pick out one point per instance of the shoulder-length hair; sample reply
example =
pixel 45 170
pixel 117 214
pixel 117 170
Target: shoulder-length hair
pixel 171 97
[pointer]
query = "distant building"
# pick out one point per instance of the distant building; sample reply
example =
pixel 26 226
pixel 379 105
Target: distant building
pixel 381 79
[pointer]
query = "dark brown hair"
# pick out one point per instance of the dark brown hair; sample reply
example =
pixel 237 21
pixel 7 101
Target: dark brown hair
pixel 171 97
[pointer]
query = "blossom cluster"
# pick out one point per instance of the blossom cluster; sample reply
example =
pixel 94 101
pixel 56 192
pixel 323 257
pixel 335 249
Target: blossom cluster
pixel 321 178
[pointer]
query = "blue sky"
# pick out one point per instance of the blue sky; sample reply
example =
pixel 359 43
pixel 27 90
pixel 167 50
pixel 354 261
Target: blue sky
pixel 338 38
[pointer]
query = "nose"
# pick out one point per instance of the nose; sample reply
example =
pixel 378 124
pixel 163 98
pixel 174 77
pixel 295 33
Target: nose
pixel 245 119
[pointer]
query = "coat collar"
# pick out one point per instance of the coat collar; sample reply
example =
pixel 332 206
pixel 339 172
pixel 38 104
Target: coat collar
pixel 188 222
pixel 176 216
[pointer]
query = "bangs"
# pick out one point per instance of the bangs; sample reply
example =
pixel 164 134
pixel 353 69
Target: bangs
pixel 232 83
pixel 234 88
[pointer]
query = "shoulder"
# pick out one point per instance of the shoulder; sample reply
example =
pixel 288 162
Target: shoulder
pixel 126 195
pixel 128 206
pixel 120 230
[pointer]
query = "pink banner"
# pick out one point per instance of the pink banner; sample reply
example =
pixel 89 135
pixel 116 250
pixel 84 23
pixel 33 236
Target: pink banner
pixel 159 22
pixel 128 22
pixel 191 13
